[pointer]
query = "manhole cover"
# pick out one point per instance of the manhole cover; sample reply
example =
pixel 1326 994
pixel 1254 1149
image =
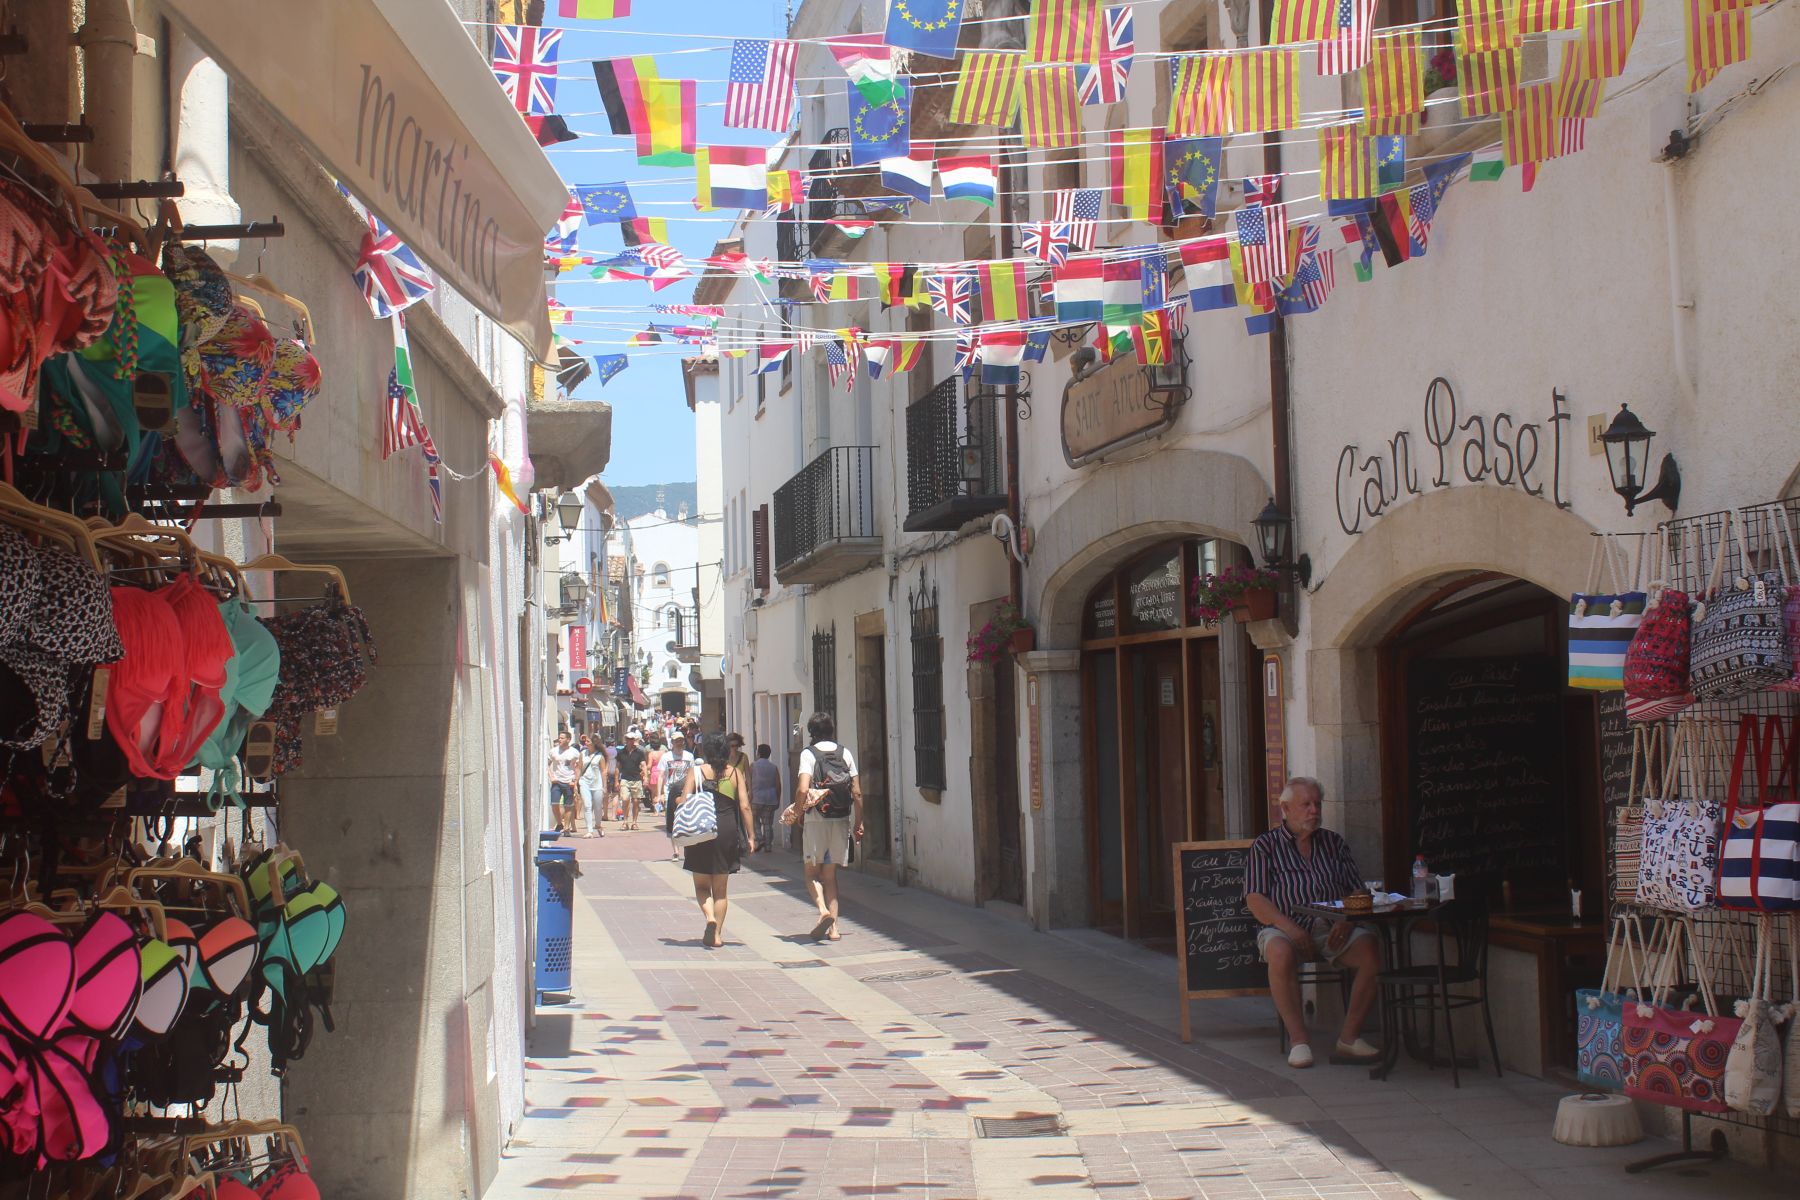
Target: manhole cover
pixel 794 966
pixel 1017 1127
pixel 906 976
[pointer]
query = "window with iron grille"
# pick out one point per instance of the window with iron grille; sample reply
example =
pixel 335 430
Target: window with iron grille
pixel 824 670
pixel 927 689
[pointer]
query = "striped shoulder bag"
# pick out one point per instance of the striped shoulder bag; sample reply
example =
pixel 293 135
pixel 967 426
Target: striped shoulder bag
pixel 1601 623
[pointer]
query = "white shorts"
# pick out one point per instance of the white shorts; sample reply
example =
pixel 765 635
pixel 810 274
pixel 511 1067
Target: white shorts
pixel 1269 933
pixel 825 840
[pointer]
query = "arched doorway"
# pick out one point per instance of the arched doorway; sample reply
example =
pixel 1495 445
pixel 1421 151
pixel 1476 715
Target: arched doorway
pixel 1489 758
pixel 1156 686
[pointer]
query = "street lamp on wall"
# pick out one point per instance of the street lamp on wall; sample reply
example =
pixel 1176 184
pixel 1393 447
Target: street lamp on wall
pixel 568 515
pixel 574 591
pixel 1275 540
pixel 1627 444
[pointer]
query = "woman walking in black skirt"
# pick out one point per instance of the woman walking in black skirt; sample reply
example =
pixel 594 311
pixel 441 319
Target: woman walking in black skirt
pixel 713 863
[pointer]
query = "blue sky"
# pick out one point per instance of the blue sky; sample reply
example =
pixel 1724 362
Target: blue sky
pixel 653 432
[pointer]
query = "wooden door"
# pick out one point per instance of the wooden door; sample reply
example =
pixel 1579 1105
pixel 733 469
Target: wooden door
pixel 1157 741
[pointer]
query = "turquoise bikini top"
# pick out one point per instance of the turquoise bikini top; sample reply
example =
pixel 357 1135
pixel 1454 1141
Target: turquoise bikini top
pixel 250 678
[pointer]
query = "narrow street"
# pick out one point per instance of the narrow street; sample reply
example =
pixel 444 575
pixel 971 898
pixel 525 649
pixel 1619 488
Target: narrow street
pixel 782 1067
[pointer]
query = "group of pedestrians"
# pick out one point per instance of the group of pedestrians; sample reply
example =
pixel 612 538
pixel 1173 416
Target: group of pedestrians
pixel 583 779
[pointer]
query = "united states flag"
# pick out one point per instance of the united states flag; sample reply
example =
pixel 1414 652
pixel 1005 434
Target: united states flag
pixel 1105 84
pixel 656 254
pixel 759 93
pixel 840 366
pixel 402 429
pixel 1262 231
pixel 1079 209
pixel 1318 268
pixel 389 273
pixel 1347 47
pixel 525 64
pixel 1047 241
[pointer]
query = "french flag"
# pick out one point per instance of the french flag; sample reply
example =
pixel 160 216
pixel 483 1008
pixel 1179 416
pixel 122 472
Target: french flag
pixel 1207 265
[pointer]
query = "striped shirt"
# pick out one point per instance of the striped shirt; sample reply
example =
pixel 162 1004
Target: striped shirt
pixel 1288 879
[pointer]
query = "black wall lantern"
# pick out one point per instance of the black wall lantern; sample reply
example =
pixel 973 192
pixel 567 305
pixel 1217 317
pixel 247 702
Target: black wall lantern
pixel 568 515
pixel 1627 444
pixel 1275 539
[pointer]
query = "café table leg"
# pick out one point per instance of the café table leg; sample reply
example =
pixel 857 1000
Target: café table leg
pixel 1390 1038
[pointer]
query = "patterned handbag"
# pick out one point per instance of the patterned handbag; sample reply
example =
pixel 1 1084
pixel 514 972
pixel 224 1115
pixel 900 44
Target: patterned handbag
pixel 696 820
pixel 1599 1012
pixel 1679 864
pixel 1740 643
pixel 1656 661
pixel 1759 860
pixel 1601 625
pixel 1753 1068
pixel 1676 1056
pixel 1790 608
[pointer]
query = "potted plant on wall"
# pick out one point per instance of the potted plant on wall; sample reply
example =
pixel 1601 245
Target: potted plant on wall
pixel 1007 630
pixel 1247 593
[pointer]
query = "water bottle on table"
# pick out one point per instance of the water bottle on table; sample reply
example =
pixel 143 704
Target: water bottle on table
pixel 1421 879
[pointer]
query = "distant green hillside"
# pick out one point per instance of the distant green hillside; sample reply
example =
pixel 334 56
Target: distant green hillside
pixel 637 500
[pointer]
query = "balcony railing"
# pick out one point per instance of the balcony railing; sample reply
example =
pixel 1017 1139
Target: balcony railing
pixel 825 517
pixel 940 427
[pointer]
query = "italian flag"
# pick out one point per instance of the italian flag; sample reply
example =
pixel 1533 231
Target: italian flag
pixel 1487 165
pixel 869 63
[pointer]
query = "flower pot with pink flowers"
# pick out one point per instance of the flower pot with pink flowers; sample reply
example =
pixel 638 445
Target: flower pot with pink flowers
pixel 1006 632
pixel 1245 593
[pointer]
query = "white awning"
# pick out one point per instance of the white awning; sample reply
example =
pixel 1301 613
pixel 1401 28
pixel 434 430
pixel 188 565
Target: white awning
pixel 395 99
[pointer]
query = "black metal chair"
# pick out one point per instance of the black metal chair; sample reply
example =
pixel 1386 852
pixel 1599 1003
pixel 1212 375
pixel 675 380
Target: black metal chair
pixel 1462 927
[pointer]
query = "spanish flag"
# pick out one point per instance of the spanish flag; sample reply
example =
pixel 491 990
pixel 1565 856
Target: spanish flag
pixel 503 480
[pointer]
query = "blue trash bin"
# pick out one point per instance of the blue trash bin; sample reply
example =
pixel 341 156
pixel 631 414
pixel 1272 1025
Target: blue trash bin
pixel 555 917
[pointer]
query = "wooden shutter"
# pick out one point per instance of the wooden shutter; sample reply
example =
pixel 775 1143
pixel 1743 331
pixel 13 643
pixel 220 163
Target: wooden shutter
pixel 759 547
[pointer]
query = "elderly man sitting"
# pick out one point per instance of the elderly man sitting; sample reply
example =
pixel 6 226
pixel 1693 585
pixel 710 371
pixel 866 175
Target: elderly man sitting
pixel 1295 864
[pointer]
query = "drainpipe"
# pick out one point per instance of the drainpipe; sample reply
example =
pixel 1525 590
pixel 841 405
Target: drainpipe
pixel 1680 303
pixel 110 40
pixel 1015 571
pixel 1280 398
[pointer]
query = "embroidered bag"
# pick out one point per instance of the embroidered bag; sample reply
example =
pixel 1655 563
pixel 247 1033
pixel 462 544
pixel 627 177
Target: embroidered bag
pixel 1656 661
pixel 1601 625
pixel 1740 644
pixel 1758 865
pixel 1790 608
pixel 1680 857
pixel 1753 1068
pixel 1599 1015
pixel 1676 1056
pixel 696 820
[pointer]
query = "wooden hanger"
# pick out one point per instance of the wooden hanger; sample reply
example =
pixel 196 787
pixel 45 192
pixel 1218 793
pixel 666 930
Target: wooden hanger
pixel 275 562
pixel 60 527
pixel 267 286
pixel 190 871
pixel 222 571
pixel 123 899
pixel 139 537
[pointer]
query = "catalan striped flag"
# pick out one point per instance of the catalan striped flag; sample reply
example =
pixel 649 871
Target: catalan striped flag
pixel 1346 164
pixel 1548 16
pixel 1265 91
pixel 1346 48
pixel 1484 25
pixel 1051 116
pixel 1488 82
pixel 1003 295
pixel 1066 31
pixel 1716 38
pixel 1605 40
pixel 1136 159
pixel 1528 132
pixel 987 91
pixel 1300 21
pixel 1199 95
pixel 1393 83
pixel 1578 94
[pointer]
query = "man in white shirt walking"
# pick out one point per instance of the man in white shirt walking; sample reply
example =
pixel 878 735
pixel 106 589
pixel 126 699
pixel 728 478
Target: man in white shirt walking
pixel 565 768
pixel 828 806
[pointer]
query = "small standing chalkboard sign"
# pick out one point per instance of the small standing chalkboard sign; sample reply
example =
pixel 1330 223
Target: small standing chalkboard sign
pixel 1216 933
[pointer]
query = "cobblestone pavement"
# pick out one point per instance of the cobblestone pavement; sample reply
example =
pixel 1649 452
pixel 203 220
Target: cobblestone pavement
pixel 883 1065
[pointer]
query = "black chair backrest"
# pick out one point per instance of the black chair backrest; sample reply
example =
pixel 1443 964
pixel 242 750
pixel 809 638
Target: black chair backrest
pixel 1465 921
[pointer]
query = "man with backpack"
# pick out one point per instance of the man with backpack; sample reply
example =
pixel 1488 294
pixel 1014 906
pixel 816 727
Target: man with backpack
pixel 829 808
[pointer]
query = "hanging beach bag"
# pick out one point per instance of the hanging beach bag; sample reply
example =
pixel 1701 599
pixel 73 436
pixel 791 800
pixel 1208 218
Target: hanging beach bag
pixel 1778 515
pixel 1656 661
pixel 1740 642
pixel 1753 1068
pixel 1676 1056
pixel 1679 863
pixel 1759 859
pixel 696 820
pixel 1628 819
pixel 1599 1015
pixel 1601 624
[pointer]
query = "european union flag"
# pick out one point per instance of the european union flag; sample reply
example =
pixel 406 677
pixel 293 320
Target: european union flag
pixel 926 26
pixel 879 131
pixel 608 365
pixel 1390 162
pixel 1156 277
pixel 606 202
pixel 1193 174
pixel 1036 342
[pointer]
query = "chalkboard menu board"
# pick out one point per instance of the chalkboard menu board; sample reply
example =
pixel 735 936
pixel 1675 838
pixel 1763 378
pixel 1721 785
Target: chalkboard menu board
pixel 1485 770
pixel 1615 750
pixel 1217 933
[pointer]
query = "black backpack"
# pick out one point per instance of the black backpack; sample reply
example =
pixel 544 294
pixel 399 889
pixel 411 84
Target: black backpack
pixel 831 771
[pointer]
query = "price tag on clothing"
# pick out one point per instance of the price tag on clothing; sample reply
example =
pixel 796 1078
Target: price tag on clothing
pixel 96 726
pixel 325 722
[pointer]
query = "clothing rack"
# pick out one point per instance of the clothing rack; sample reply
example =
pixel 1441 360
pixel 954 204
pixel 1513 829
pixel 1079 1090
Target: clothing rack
pixel 1723 938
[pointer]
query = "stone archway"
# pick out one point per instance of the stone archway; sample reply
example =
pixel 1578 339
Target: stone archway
pixel 1115 513
pixel 1386 571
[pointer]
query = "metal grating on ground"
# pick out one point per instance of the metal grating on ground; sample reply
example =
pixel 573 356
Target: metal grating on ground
pixel 906 976
pixel 794 966
pixel 1018 1127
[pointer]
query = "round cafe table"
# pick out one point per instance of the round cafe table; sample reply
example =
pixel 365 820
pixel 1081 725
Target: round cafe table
pixel 1390 922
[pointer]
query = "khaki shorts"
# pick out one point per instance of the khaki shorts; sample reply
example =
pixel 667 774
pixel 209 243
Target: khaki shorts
pixel 1269 933
pixel 634 790
pixel 825 841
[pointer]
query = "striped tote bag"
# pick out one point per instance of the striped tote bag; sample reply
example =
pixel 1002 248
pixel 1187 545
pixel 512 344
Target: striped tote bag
pixel 1601 625
pixel 1759 867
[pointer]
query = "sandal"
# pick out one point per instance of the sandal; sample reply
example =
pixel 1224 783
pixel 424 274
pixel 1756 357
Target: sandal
pixel 706 938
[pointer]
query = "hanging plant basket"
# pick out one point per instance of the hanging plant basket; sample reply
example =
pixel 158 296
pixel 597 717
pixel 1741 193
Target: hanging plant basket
pixel 1257 604
pixel 1024 640
pixel 1000 636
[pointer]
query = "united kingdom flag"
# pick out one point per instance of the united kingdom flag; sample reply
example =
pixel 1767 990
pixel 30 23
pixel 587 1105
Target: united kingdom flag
pixel 389 273
pixel 1046 241
pixel 953 296
pixel 525 65
pixel 1105 83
